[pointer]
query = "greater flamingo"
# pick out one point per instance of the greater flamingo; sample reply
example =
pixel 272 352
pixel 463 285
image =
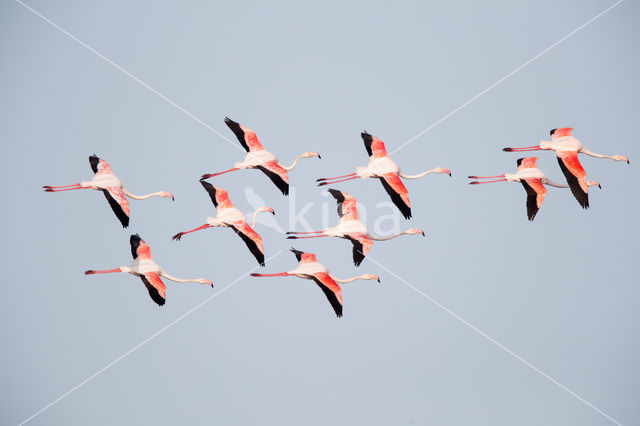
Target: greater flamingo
pixel 351 228
pixel 567 148
pixel 533 181
pixel 309 269
pixel 229 216
pixel 382 167
pixel 113 189
pixel 259 158
pixel 149 271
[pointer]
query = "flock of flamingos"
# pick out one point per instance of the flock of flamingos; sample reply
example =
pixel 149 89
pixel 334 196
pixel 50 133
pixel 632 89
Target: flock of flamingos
pixel 349 227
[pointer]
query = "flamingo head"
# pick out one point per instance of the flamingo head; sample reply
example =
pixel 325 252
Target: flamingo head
pixel 168 195
pixel 203 281
pixel 371 277
pixel 442 170
pixel 594 183
pixel 414 231
pixel 621 158
pixel 266 209
pixel 310 154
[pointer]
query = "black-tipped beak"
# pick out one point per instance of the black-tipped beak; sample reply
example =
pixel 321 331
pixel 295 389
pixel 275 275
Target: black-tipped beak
pixel 599 186
pixel 173 198
pixel 506 149
pixel 628 162
pixel 273 212
pixel 320 158
pixel 423 234
pixel 292 238
pixel 450 175
pixel 378 279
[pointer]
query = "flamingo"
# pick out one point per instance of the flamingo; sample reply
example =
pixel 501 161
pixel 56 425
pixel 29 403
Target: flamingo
pixel 309 269
pixel 382 167
pixel 229 216
pixel 351 228
pixel 533 181
pixel 259 158
pixel 149 271
pixel 113 189
pixel 567 148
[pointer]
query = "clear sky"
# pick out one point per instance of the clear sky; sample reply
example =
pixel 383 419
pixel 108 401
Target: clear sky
pixel 561 292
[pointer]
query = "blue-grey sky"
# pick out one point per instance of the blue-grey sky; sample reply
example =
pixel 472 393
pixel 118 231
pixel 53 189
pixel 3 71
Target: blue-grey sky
pixel 561 292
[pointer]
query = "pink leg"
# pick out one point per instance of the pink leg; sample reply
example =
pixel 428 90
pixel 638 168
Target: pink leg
pixel 311 232
pixel 489 181
pixel 342 180
pixel 485 177
pixel 63 186
pixel 527 148
pixel 207 176
pixel 281 274
pixel 89 272
pixel 337 177
pixel 291 237
pixel 180 234
pixel 68 189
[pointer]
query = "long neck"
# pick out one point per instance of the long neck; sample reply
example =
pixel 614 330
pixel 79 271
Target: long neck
pixel 557 185
pixel 348 280
pixel 292 164
pixel 143 197
pixel 388 237
pixel 255 215
pixel 180 280
pixel 419 175
pixel 593 154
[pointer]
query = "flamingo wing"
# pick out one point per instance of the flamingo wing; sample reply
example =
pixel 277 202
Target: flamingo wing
pixel 398 193
pixel 347 205
pixel 361 245
pixel 251 239
pixel 331 290
pixel 155 286
pixel 93 161
pixel 277 174
pixel 247 137
pixel 576 176
pixel 119 204
pixel 374 146
pixel 535 195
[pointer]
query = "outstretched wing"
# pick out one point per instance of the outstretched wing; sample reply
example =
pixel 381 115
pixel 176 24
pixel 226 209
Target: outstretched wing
pixel 119 204
pixel 374 146
pixel 347 205
pixel 535 195
pixel 247 137
pixel 331 290
pixel 361 246
pixel 155 286
pixel 251 239
pixel 398 193
pixel 576 176
pixel 277 174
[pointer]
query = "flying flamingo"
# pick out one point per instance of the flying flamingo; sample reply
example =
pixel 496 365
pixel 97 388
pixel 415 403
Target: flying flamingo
pixel 309 269
pixel 533 181
pixel 149 271
pixel 113 189
pixel 259 158
pixel 228 215
pixel 351 228
pixel 567 148
pixel 382 167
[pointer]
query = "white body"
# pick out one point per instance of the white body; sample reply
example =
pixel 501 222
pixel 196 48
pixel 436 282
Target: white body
pixel 347 227
pixel 565 143
pixel 255 158
pixel 226 216
pixel 525 174
pixel 306 270
pixel 103 180
pixel 378 167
